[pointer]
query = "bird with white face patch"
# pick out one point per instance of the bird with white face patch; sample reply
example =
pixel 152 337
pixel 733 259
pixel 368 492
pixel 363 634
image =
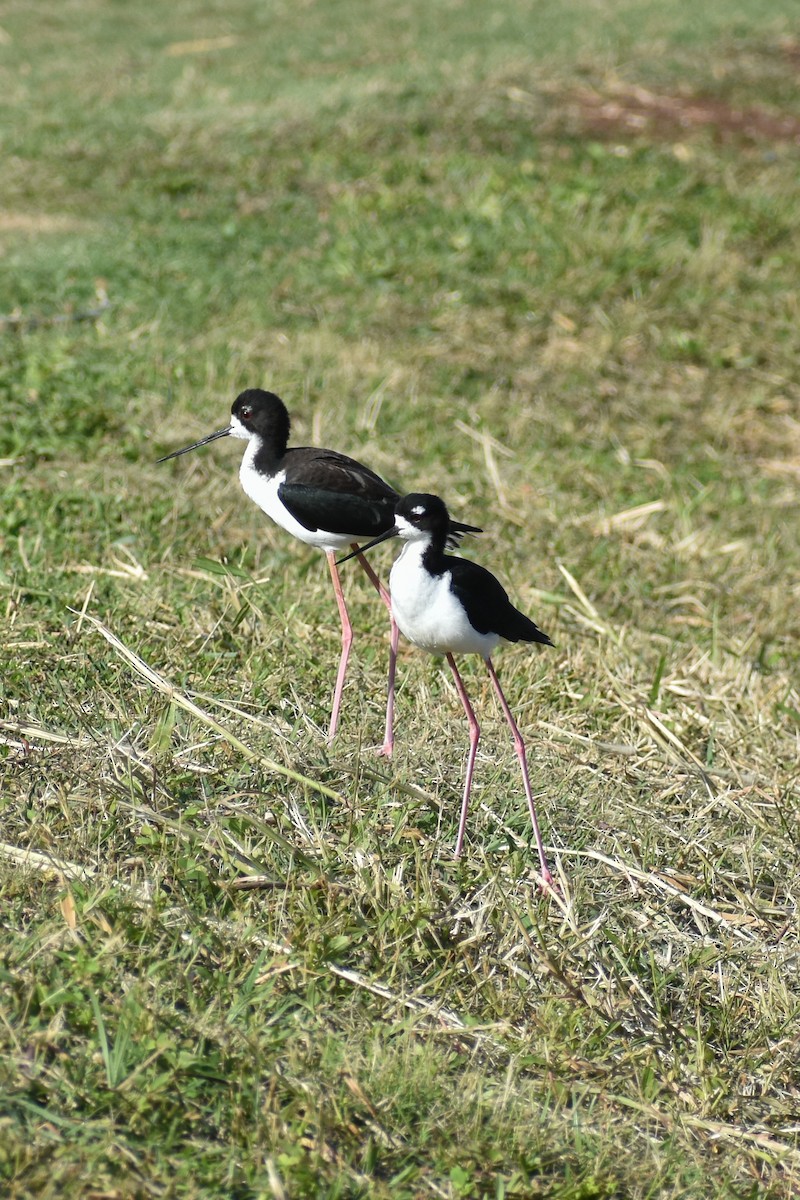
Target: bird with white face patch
pixel 322 497
pixel 448 605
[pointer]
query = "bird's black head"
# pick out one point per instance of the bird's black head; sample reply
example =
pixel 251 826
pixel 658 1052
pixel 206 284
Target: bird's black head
pixel 421 515
pixel 254 414
pixel 260 414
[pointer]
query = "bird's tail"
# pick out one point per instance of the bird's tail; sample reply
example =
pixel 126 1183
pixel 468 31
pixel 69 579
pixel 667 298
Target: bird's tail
pixel 525 631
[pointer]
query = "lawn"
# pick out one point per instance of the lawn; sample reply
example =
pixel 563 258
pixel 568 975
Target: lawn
pixel 541 259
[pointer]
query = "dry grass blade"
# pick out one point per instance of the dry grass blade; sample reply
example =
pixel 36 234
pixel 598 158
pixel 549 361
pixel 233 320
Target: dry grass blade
pixel 578 591
pixel 37 733
pixel 255 883
pixel 489 445
pixel 167 689
pixel 731 921
pixel 629 518
pixel 445 1019
pixel 37 861
pixel 672 742
pixel 717 1130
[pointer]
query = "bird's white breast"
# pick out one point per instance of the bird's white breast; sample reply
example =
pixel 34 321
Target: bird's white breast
pixel 428 613
pixel 263 491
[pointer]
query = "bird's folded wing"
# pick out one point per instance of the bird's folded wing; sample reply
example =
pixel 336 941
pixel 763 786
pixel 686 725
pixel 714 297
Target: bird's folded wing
pixel 339 512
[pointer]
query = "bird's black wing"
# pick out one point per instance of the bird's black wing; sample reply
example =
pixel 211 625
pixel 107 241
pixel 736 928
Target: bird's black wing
pixel 349 516
pixel 323 489
pixel 326 490
pixel 487 604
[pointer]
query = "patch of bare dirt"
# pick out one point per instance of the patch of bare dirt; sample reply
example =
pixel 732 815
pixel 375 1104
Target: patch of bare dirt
pixel 789 48
pixel 628 111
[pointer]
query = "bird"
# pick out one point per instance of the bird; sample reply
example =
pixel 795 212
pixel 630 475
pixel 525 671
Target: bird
pixel 321 497
pixel 449 605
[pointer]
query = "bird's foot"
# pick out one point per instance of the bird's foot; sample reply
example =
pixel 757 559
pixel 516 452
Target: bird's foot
pixel 548 883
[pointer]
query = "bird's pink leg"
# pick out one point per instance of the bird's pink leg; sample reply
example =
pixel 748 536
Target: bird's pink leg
pixel 474 736
pixel 388 735
pixel 519 746
pixel 347 639
pixel 394 637
pixel 373 578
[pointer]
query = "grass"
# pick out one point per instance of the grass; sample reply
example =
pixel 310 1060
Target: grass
pixel 235 962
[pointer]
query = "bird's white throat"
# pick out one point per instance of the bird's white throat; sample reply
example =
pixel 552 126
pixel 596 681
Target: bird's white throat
pixel 238 430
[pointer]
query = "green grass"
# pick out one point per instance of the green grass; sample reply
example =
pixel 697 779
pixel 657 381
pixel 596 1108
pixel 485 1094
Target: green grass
pixel 405 221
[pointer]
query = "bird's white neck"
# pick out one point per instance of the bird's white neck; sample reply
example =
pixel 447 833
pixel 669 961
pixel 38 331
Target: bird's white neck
pixel 409 560
pixel 249 456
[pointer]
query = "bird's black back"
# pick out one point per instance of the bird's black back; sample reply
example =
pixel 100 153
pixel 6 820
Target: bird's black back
pixel 326 490
pixel 486 601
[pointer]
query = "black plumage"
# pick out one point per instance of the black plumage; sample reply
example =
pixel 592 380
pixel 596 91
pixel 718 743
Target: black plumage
pixel 324 498
pixel 448 605
pixel 486 602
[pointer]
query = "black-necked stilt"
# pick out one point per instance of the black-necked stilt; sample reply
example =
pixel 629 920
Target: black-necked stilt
pixel 321 497
pixel 448 605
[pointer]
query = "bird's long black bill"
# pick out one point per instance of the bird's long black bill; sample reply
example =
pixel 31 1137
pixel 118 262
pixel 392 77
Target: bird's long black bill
pixel 383 537
pixel 212 437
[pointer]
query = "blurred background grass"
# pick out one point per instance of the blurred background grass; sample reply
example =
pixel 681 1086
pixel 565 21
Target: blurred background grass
pixel 542 260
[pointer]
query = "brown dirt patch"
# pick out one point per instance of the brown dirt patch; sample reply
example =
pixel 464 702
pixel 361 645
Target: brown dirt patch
pixel 623 112
pixel 789 49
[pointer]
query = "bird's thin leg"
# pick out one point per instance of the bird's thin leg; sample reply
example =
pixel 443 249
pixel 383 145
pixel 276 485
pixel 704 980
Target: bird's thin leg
pixel 474 736
pixel 394 637
pixel 388 735
pixel 373 578
pixel 519 746
pixel 347 639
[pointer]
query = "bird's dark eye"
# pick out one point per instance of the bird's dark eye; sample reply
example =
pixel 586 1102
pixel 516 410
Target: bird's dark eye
pixel 246 413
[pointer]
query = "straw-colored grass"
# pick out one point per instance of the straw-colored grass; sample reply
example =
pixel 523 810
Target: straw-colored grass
pixel 546 266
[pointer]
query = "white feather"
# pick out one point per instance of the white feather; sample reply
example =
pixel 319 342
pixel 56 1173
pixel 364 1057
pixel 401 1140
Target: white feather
pixel 263 491
pixel 426 610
